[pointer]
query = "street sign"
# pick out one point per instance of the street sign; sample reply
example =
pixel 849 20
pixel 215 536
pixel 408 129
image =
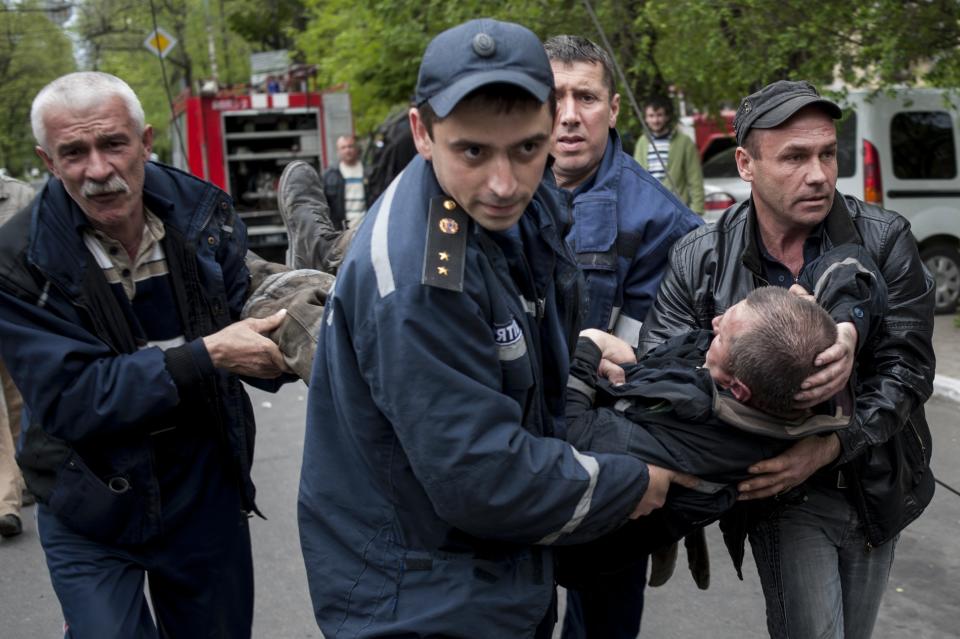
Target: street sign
pixel 159 42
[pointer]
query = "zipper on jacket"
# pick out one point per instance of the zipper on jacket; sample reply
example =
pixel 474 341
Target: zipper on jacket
pixel 913 429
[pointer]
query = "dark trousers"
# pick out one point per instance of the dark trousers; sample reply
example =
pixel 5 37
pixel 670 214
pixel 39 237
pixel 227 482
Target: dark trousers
pixel 200 576
pixel 608 610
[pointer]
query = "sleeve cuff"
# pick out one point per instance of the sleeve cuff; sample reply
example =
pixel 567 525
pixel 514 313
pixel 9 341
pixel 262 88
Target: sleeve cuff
pixel 191 368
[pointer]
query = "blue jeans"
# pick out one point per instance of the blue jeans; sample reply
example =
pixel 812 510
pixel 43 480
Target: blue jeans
pixel 820 578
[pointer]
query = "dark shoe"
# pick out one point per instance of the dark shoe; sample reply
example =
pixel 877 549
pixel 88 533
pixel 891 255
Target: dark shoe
pixel 662 563
pixel 10 526
pixel 27 498
pixel 305 213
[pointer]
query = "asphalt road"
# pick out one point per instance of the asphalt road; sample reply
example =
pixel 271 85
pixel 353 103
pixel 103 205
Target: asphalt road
pixel 921 600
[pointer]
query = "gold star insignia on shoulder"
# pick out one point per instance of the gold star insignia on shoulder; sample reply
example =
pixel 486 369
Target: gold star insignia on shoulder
pixel 444 256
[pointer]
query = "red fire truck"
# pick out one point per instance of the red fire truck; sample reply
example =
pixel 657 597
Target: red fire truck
pixel 241 143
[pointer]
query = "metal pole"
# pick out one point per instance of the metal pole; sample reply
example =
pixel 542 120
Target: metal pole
pixel 628 91
pixel 211 47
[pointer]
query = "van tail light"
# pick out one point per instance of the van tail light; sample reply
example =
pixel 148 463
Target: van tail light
pixel 718 202
pixel 872 185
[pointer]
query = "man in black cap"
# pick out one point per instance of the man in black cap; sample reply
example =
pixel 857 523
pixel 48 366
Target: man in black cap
pixel 824 544
pixel 434 479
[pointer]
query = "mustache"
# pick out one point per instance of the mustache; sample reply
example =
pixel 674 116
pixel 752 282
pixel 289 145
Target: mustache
pixel 115 184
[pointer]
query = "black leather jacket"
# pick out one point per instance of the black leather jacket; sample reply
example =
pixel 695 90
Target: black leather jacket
pixel 885 456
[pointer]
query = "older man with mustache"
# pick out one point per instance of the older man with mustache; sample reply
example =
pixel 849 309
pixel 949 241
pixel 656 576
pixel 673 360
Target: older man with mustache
pixel 121 288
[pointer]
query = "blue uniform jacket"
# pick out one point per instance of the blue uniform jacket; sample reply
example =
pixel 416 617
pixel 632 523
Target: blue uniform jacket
pixel 431 488
pixel 623 228
pixel 93 400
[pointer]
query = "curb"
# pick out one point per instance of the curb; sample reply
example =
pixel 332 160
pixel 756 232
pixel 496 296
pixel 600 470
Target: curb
pixel 946 387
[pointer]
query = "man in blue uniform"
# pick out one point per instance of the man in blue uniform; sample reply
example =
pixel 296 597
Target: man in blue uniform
pixel 120 290
pixel 432 486
pixel 624 223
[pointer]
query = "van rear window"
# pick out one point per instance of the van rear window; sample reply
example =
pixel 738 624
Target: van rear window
pixel 923 147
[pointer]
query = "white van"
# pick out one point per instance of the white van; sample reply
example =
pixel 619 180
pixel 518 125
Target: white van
pixel 897 150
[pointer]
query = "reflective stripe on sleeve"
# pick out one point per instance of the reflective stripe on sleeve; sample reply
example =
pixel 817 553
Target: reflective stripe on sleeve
pixel 379 250
pixel 592 467
pixel 581 387
pixel 528 306
pixel 628 329
pixel 614 314
pixel 622 405
pixel 510 352
pixel 44 295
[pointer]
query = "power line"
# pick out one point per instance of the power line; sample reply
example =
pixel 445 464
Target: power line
pixel 948 487
pixel 166 85
pixel 628 90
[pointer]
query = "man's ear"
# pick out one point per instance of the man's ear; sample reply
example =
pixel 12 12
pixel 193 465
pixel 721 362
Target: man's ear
pixel 147 139
pixel 421 137
pixel 46 160
pixel 744 164
pixel 741 392
pixel 614 110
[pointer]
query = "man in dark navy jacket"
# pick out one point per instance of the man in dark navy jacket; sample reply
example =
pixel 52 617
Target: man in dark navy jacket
pixel 120 294
pixel 433 486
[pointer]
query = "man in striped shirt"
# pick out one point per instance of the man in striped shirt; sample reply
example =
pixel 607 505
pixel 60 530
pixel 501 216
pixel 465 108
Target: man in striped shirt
pixel 670 156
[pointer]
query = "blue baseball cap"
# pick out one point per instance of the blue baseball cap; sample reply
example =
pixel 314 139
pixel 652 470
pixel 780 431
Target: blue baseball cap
pixel 477 53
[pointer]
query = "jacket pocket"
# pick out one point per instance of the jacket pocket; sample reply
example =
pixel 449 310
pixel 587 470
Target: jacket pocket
pixel 596 254
pixel 108 510
pixel 595 227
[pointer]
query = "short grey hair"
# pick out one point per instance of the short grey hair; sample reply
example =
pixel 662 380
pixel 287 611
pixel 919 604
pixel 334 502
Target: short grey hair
pixel 81 90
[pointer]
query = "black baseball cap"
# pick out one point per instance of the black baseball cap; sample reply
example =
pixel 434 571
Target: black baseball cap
pixel 776 103
pixel 477 53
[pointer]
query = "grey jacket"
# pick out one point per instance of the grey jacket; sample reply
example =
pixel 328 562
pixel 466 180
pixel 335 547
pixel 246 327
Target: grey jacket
pixel 14 195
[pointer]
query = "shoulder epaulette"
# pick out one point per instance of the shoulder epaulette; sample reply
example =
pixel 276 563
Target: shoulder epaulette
pixel 446 247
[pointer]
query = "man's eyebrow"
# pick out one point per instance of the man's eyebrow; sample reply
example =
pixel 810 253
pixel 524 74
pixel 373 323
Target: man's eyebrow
pixel 465 142
pixel 539 137
pixel 795 147
pixel 585 88
pixel 69 145
pixel 113 137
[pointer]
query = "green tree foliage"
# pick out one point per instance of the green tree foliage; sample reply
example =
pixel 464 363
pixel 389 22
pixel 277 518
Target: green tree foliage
pixel 737 46
pixel 33 51
pixel 266 24
pixel 712 51
pixel 374 46
pixel 113 31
